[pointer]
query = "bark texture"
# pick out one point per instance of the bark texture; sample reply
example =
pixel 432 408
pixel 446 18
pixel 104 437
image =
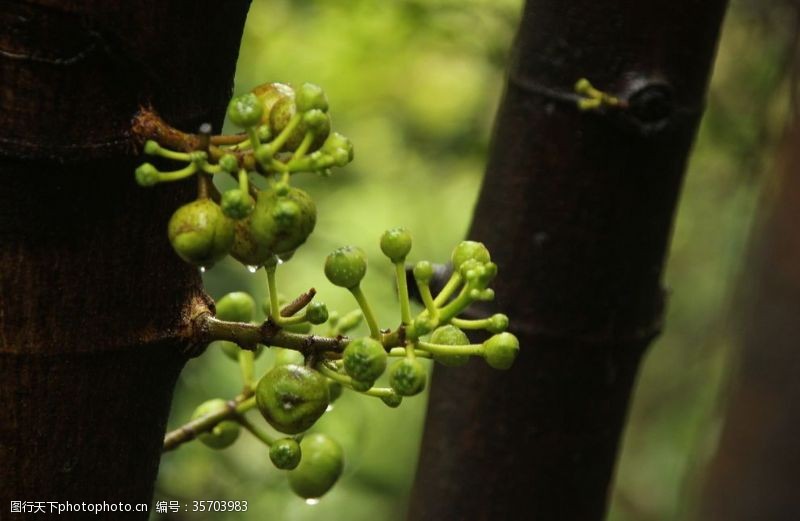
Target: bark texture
pixel 92 300
pixel 756 469
pixel 576 209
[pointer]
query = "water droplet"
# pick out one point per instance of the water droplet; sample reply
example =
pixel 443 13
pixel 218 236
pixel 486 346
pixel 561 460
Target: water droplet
pixel 202 269
pixel 280 261
pixel 252 269
pixel 312 501
pixel 329 408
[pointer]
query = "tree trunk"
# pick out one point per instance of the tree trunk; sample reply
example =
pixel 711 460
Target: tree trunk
pixel 756 470
pixel 93 302
pixel 576 209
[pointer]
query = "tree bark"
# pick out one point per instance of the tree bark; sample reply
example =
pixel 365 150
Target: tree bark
pixel 576 209
pixel 756 469
pixel 93 303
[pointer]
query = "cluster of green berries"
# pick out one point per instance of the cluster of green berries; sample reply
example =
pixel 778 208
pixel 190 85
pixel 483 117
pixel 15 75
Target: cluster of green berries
pixel 285 131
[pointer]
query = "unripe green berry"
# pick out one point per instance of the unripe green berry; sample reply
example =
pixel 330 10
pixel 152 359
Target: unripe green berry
pixel 147 175
pixel 269 94
pixel 337 141
pixel 236 306
pixel 346 266
pixel 292 397
pixel 278 225
pixel 317 120
pixel 151 147
pixel 423 272
pixel 317 313
pixel 245 110
pixel 393 400
pixel 396 243
pixel 200 233
pixel 364 359
pixel 501 350
pixel 310 96
pixel 237 204
pixel 423 325
pixel 229 163
pixel 320 467
pixel 469 250
pixel 285 453
pixel 450 335
pixel 497 323
pixel 224 433
pixel 407 377
pixel 288 357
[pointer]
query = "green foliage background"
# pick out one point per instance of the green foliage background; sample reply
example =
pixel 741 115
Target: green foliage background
pixel 415 84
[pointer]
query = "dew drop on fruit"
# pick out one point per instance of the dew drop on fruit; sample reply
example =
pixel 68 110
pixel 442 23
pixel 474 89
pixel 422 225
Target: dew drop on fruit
pixel 202 269
pixel 312 501
pixel 329 408
pixel 252 269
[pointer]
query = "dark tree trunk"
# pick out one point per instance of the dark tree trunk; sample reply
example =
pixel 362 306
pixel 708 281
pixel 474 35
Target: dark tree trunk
pixel 756 470
pixel 93 303
pixel 577 210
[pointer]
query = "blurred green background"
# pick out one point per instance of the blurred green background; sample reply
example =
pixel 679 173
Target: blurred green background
pixel 414 84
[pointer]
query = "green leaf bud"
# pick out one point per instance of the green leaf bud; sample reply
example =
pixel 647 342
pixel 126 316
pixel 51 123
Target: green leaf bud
pixel 224 433
pixel 317 312
pixel 236 306
pixel 237 203
pixel 285 453
pixel 200 233
pixel 407 377
pixel 501 350
pixel 396 243
pixel 346 266
pixel 147 175
pixel 292 397
pixel 364 359
pixel 466 250
pixel 229 163
pixel 310 96
pixel 320 467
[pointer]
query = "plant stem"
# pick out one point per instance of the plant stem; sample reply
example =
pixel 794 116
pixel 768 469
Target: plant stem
pixel 448 289
pixel 367 310
pixel 402 292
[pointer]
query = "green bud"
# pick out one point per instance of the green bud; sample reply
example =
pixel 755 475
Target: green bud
pixel 320 467
pixel 285 453
pixel 200 233
pixel 346 266
pixel 236 306
pixel 497 323
pixel 450 335
pixel 423 272
pixel 245 110
pixel 282 113
pixel 237 204
pixel 396 243
pixel 292 397
pixel 501 350
pixel 264 133
pixel 407 377
pixel 147 175
pixel 469 250
pixel 151 147
pixel 229 163
pixel 224 433
pixel 309 97
pixel 423 325
pixel 317 312
pixel 337 141
pixel 315 119
pixel 364 359
pixel 393 400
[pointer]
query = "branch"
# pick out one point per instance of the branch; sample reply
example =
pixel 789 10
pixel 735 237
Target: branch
pixel 189 431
